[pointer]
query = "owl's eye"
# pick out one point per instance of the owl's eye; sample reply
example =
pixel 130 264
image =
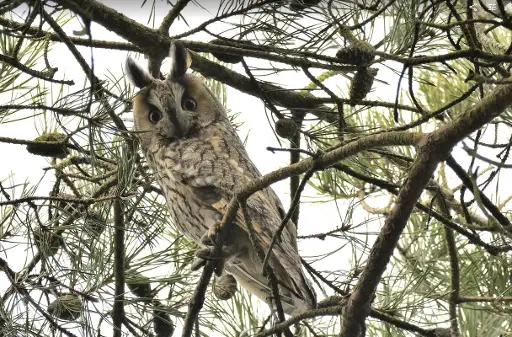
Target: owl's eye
pixel 154 116
pixel 188 103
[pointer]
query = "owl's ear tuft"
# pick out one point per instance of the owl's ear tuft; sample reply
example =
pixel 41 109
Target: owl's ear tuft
pixel 138 76
pixel 180 60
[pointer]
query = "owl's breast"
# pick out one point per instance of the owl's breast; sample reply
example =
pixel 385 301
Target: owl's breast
pixel 191 216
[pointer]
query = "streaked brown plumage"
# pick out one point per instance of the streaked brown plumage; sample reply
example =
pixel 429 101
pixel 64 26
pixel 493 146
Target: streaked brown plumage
pixel 199 160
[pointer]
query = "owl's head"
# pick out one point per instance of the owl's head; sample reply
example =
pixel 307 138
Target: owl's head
pixel 174 108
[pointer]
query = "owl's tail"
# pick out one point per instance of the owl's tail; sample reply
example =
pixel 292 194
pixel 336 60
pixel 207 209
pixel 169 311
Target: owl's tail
pixel 296 286
pixel 296 293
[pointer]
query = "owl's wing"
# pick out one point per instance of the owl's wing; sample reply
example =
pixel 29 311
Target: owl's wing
pixel 274 199
pixel 214 169
pixel 214 173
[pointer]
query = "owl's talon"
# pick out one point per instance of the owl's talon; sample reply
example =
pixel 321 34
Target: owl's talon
pixel 206 254
pixel 207 240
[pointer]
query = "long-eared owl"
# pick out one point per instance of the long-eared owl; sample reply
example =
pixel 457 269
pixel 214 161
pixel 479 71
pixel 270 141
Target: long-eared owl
pixel 199 161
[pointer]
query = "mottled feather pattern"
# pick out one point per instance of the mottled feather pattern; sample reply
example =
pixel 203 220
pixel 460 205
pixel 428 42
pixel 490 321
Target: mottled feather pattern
pixel 199 161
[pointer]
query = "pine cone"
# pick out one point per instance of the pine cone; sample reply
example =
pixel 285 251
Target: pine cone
pixel 49 150
pixel 162 324
pixel 362 83
pixel 225 287
pixel 286 128
pixel 359 54
pixel 67 307
pixel 139 285
pixel 94 223
pixel 47 242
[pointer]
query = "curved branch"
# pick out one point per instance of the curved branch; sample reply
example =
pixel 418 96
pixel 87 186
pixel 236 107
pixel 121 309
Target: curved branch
pixel 436 149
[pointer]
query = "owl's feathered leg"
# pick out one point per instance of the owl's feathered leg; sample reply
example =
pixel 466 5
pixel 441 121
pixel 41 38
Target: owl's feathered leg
pixel 211 239
pixel 212 236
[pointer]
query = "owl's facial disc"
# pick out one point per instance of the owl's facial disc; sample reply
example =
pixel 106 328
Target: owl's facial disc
pixel 172 111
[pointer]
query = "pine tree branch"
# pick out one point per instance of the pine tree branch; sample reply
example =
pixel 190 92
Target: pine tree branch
pixel 437 148
pixel 173 14
pixel 487 203
pixel 78 212
pixel 44 75
pixel 393 189
pixel 118 314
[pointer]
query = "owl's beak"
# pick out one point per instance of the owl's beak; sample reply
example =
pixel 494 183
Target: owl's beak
pixel 175 128
pixel 169 128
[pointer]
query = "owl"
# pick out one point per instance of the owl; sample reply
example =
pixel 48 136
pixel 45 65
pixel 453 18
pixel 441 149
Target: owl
pixel 199 161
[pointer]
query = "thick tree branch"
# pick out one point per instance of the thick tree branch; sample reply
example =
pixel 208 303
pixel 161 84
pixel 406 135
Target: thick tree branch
pixel 276 95
pixel 336 310
pixel 329 158
pixel 157 45
pixel 437 148
pixel 173 14
pixel 301 102
pixel 155 61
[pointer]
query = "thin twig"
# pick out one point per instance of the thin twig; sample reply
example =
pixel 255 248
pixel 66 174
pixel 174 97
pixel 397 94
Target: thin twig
pixel 173 14
pixel 262 93
pixel 62 111
pixel 329 311
pixel 119 268
pixel 462 175
pixel 44 75
pixel 282 149
pixel 85 201
pixel 475 299
pixel 454 268
pixel 295 158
